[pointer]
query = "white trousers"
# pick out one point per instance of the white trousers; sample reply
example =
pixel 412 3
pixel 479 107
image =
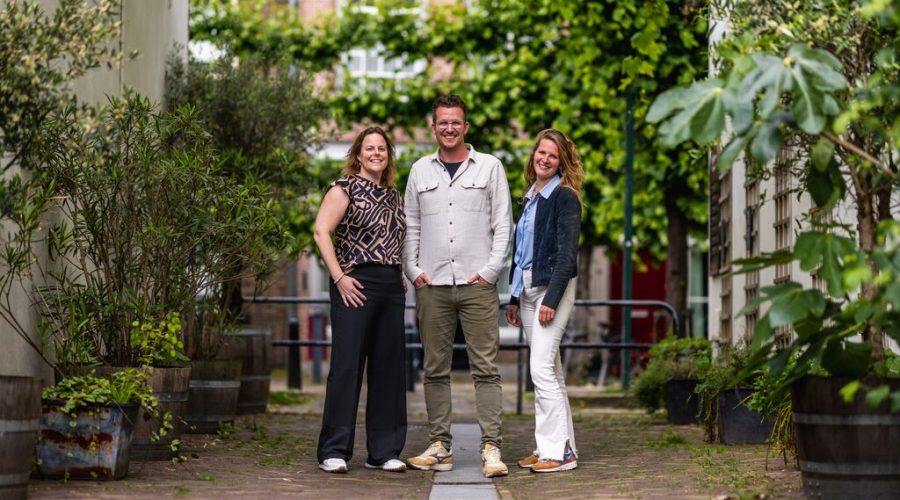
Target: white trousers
pixel 553 415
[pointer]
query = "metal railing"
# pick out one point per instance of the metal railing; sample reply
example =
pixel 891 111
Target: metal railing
pixel 294 342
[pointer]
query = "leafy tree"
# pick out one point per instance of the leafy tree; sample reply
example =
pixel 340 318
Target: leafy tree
pixel 821 79
pixel 262 116
pixel 522 67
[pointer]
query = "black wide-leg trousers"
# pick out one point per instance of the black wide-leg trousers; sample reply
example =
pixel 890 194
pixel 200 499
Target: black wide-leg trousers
pixel 373 333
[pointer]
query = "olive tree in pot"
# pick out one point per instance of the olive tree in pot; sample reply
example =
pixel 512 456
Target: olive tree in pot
pixel 836 110
pixel 137 220
pixel 30 89
pixel 263 118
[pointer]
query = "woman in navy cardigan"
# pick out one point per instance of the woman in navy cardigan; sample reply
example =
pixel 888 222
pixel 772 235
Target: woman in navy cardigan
pixel 545 252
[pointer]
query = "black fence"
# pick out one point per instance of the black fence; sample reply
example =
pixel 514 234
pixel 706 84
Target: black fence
pixel 413 347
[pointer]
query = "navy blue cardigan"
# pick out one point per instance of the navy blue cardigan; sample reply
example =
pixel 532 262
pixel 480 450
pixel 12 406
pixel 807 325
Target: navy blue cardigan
pixel 557 223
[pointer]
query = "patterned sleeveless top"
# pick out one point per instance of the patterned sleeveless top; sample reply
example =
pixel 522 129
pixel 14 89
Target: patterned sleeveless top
pixel 373 227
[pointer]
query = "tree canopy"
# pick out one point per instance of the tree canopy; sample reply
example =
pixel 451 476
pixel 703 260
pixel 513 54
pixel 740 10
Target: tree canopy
pixel 521 67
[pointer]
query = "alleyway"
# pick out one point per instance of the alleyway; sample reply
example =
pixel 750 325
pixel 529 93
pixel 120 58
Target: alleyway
pixel 624 453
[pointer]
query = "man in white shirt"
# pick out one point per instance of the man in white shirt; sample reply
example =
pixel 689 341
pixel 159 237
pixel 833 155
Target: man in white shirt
pixel 458 216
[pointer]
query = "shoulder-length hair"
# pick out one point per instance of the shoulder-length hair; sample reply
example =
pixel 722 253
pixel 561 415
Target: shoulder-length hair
pixel 352 166
pixel 571 170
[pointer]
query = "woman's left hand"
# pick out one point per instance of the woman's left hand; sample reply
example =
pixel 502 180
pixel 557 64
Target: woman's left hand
pixel 546 315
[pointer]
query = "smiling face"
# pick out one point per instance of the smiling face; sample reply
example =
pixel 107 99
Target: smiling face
pixel 546 161
pixel 373 157
pixel 450 127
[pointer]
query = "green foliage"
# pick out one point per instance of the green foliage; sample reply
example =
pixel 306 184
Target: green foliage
pixel 263 119
pixel 145 220
pixel 822 79
pixel 669 359
pixel 32 84
pixel 729 369
pixel 159 343
pixel 120 387
pixel 521 67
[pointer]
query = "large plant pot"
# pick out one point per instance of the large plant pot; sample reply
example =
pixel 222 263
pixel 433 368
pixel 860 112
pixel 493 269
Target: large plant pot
pixel 253 347
pixel 97 447
pixel 682 404
pixel 20 407
pixel 846 451
pixel 212 395
pixel 739 424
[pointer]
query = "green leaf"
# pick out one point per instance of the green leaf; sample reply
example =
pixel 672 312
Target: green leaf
pixel 728 155
pixel 848 392
pixel 823 68
pixel 876 396
pixel 709 119
pixel 846 358
pixel 794 306
pixel 826 187
pixel 895 401
pixel 822 154
pixel 767 142
pixel 807 105
pixel 762 333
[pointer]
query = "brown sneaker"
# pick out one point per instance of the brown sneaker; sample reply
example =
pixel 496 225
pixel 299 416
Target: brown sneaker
pixel 528 461
pixel 549 465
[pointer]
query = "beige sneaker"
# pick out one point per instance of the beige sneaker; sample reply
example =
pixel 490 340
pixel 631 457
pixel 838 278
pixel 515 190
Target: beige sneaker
pixel 492 465
pixel 436 457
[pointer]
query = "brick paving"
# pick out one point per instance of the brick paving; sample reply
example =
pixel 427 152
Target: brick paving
pixel 623 453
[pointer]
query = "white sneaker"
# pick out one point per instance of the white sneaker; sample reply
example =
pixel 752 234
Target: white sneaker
pixel 334 465
pixel 392 465
pixel 491 463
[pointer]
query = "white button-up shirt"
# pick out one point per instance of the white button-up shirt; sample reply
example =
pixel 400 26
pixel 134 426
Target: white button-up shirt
pixel 457 227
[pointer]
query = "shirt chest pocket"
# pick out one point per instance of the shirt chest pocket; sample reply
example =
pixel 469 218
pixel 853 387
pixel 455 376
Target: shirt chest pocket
pixel 429 198
pixel 474 193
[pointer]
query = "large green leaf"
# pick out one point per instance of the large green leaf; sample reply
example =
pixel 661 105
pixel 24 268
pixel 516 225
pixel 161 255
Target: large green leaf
pixel 826 187
pixel 823 68
pixel 807 104
pixel 769 77
pixel 709 119
pixel 768 140
pixel 844 358
pixel 825 253
pixel 822 154
pixel 795 305
pixel 728 155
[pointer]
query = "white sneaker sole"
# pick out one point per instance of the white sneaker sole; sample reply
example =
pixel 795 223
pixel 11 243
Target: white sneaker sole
pixel 568 466
pixel 334 470
pixel 401 468
pixel 496 473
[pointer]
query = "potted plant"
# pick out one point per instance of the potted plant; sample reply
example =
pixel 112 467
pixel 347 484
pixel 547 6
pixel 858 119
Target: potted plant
pixel 669 379
pixel 87 424
pixel 834 107
pixel 724 389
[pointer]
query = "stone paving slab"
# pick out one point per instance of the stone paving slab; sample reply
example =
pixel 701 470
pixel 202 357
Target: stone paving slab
pixel 466 458
pixel 463 491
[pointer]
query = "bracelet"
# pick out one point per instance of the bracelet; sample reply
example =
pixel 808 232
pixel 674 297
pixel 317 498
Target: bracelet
pixel 339 279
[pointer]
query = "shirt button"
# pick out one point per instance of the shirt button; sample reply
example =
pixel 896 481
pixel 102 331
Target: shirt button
pixel 451 223
pixel 452 260
pixel 451 203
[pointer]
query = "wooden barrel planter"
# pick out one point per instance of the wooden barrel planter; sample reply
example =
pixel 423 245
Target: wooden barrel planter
pixel 739 424
pixel 20 408
pixel 170 386
pixel 846 451
pixel 212 395
pixel 97 447
pixel 256 346
pixel 682 404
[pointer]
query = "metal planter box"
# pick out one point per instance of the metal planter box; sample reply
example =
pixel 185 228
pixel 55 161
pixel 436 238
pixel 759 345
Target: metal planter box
pixel 97 447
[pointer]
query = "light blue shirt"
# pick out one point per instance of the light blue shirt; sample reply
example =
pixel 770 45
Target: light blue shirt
pixel 525 235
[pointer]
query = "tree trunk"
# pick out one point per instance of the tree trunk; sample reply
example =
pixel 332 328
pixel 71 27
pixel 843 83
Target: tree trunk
pixel 866 219
pixel 677 263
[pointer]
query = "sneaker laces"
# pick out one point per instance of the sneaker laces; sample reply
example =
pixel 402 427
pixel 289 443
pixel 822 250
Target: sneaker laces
pixel 491 453
pixel 436 447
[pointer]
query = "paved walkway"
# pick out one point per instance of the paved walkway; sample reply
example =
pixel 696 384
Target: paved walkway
pixel 623 453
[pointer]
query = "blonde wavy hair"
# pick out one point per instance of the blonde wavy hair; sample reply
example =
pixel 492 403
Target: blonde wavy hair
pixel 571 170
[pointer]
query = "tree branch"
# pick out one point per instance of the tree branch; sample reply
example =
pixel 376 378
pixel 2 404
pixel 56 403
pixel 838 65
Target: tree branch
pixel 859 152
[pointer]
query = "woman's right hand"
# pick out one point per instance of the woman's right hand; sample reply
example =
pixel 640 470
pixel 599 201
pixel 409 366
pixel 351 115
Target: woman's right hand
pixel 512 315
pixel 350 290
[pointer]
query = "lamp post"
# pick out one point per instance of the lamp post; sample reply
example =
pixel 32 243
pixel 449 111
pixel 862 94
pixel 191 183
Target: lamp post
pixel 627 249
